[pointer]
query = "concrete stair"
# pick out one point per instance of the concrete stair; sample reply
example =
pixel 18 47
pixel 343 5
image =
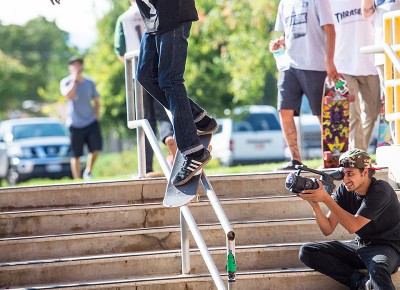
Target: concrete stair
pixel 111 235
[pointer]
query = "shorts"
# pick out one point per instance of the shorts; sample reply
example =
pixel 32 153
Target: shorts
pixel 89 135
pixel 294 83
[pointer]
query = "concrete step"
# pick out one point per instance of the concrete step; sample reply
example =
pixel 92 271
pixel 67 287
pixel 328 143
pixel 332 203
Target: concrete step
pixel 142 265
pixel 139 191
pixel 152 239
pixel 104 218
pixel 301 279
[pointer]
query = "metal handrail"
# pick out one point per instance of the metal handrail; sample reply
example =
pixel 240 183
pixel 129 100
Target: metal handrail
pixel 134 104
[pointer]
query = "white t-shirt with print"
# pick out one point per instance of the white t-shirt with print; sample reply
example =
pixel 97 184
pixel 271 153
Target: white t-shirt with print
pixel 353 31
pixel 302 21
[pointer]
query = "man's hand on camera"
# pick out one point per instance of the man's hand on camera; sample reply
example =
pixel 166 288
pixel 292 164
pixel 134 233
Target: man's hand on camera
pixel 315 195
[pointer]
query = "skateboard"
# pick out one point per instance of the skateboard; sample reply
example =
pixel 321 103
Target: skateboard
pixel 384 134
pixel 176 196
pixel 335 120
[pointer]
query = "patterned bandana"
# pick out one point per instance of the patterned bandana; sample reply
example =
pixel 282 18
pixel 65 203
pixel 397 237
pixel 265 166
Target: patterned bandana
pixel 356 158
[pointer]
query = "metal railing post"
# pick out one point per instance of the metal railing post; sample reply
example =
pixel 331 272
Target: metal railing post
pixel 185 247
pixel 203 249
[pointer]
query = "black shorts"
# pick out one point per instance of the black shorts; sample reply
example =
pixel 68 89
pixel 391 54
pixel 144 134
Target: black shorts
pixel 89 135
pixel 294 83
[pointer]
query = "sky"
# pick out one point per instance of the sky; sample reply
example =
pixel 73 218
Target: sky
pixel 77 17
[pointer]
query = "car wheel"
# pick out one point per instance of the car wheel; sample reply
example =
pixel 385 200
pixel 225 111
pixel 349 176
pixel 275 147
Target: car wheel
pixel 12 176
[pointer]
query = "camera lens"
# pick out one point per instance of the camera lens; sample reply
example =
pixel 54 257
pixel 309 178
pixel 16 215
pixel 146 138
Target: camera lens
pixel 297 184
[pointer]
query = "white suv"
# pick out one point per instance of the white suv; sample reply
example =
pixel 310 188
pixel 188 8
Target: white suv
pixel 34 147
pixel 253 135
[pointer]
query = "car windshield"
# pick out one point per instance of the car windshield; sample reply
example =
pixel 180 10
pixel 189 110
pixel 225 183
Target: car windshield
pixel 38 130
pixel 257 122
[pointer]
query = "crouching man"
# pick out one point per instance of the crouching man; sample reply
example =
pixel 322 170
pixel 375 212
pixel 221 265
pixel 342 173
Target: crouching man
pixel 367 207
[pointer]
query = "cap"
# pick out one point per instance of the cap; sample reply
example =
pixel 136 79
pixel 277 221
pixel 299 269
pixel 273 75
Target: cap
pixel 75 58
pixel 356 158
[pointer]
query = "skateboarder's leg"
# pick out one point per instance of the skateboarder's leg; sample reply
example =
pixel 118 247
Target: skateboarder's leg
pixel 161 67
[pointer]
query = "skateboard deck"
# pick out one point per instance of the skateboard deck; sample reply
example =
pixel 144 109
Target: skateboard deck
pixel 176 196
pixel 384 134
pixel 335 115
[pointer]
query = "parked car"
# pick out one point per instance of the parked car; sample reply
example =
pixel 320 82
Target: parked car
pixel 253 135
pixel 34 147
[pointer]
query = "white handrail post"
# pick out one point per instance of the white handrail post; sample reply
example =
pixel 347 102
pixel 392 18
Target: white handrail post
pixel 203 248
pixel 185 247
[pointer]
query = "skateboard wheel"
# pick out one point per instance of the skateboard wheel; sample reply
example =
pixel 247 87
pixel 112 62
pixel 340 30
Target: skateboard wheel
pixel 328 100
pixel 351 98
pixel 327 155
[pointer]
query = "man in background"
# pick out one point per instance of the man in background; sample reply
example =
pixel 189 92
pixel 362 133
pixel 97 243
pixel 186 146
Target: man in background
pixel 83 115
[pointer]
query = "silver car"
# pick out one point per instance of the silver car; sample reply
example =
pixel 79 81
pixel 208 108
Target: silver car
pixel 34 147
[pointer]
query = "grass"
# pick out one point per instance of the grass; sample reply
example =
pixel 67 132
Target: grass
pixel 124 165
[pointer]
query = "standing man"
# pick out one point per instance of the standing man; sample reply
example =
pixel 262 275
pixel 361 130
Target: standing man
pixel 367 207
pixel 128 33
pixel 309 38
pixel 83 115
pixel 161 67
pixel 353 31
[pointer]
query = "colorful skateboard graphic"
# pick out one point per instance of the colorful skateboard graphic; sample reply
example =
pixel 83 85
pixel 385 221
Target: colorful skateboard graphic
pixel 335 121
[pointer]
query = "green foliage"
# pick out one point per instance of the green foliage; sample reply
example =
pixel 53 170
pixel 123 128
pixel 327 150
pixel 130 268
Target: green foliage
pixel 229 63
pixel 40 49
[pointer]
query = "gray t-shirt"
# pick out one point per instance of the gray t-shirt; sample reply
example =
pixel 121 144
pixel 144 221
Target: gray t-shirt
pixel 302 21
pixel 80 109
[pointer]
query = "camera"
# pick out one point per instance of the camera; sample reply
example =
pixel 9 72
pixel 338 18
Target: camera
pixel 296 183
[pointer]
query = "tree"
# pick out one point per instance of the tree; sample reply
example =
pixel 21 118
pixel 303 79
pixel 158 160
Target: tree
pixel 39 51
pixel 229 63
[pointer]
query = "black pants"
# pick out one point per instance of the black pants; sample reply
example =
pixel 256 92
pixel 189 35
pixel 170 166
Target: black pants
pixel 340 261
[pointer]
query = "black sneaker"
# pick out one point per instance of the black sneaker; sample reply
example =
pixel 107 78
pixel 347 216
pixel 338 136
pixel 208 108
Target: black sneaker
pixel 209 129
pixel 190 166
pixel 290 165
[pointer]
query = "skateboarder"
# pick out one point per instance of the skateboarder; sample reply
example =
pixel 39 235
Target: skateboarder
pixel 128 33
pixel 367 207
pixel 161 67
pixel 309 38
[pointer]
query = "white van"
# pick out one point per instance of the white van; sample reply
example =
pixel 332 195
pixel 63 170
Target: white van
pixel 252 135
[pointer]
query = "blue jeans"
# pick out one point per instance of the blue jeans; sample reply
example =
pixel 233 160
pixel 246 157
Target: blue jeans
pixel 341 260
pixel 160 71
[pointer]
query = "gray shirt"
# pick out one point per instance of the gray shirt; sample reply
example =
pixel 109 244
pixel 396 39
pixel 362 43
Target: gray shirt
pixel 302 22
pixel 80 110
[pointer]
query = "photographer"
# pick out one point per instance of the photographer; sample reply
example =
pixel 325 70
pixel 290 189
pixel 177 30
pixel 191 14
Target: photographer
pixel 367 207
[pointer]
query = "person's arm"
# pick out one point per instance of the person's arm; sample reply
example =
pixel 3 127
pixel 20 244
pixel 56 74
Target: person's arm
pixel 330 37
pixel 367 8
pixel 97 108
pixel 327 223
pixel 352 223
pixel 70 91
